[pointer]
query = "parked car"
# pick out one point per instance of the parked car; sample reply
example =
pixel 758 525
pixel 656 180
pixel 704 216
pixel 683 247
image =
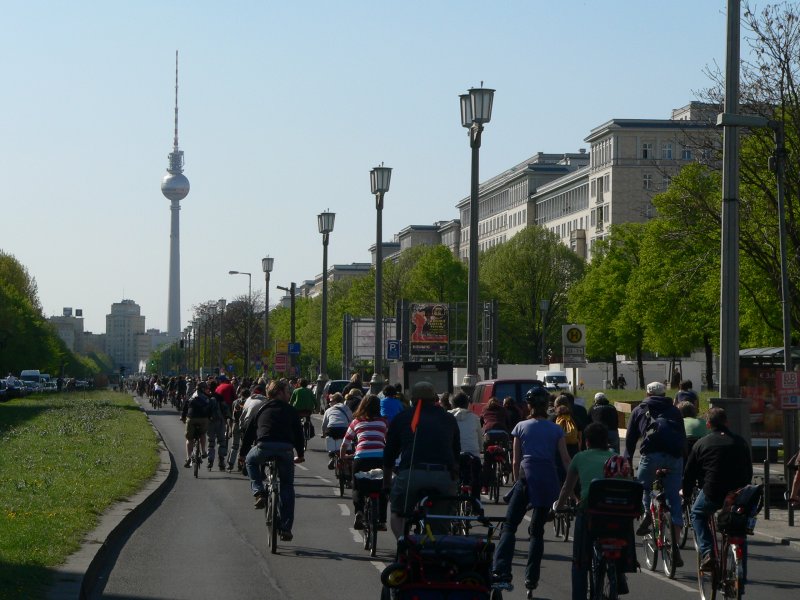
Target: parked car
pixel 16 389
pixel 500 389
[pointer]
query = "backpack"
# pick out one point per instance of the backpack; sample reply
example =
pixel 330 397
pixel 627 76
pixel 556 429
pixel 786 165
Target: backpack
pixel 201 409
pixel 567 423
pixel 662 435
pixel 739 507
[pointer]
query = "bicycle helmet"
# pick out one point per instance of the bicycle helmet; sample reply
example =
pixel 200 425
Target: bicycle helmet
pixel 617 466
pixel 537 393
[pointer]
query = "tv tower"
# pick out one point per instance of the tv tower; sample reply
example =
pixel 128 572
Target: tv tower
pixel 175 186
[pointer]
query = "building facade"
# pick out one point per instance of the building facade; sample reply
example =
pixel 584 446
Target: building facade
pixel 125 335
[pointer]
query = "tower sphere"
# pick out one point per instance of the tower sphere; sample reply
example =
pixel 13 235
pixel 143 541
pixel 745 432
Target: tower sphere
pixel 175 186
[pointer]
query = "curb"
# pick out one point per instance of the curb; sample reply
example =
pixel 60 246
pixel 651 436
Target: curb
pixel 782 541
pixel 77 576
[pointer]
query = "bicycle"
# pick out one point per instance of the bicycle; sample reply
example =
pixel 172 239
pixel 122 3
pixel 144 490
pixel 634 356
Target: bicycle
pixel 687 518
pixel 370 485
pixel 562 521
pixel 495 455
pixel 729 552
pixel 661 538
pixel 343 469
pixel 307 430
pixel 195 458
pixel 272 509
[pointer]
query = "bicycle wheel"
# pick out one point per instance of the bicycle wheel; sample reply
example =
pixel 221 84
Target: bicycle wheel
pixel 196 458
pixel 604 580
pixel 341 482
pixel 273 518
pixel 567 522
pixel 706 580
pixel 373 525
pixel 687 525
pixel 494 491
pixel 650 545
pixel 668 545
pixel 732 585
pixel 557 523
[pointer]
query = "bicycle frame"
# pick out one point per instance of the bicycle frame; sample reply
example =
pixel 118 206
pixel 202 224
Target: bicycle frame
pixel 721 577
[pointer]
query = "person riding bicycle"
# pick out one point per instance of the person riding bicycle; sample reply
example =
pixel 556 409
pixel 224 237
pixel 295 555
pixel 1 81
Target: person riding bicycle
pixel 304 401
pixel 695 428
pixel 335 421
pixel 254 402
pixel 496 432
pixel 606 413
pixel 275 432
pixel 390 405
pixel 234 429
pixel 586 466
pixel 537 443
pixel 428 443
pixel 720 462
pixel 469 428
pixel 659 425
pixel 196 413
pixel 367 431
pixel 218 429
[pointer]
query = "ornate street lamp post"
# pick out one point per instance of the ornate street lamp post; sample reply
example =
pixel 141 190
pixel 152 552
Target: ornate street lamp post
pixel 476 109
pixel 325 223
pixel 379 178
pixel 266 266
pixel 221 303
pixel 249 317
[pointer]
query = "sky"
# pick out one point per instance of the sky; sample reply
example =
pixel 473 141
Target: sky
pixel 284 109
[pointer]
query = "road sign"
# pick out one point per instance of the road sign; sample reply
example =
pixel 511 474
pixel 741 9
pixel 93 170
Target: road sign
pixel 281 362
pixel 294 348
pixel 281 346
pixel 230 368
pixel 573 342
pixel 393 349
pixel 788 387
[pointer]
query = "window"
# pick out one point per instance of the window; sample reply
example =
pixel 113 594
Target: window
pixel 593 188
pixel 666 150
pixel 605 214
pixel 686 153
pixel 665 181
pixel 606 182
pixel 647 150
pixel 592 218
pixel 647 181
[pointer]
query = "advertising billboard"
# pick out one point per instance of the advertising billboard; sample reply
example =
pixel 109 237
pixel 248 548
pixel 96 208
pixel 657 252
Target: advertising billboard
pixel 429 328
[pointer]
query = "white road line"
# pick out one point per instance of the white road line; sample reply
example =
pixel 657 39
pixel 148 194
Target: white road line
pixel 378 565
pixel 527 518
pixel 321 478
pixel 356 536
pixel 677 584
pixel 345 510
pixel 299 466
pixel 335 491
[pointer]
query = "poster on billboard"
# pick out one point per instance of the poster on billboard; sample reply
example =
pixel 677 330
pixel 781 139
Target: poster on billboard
pixel 429 328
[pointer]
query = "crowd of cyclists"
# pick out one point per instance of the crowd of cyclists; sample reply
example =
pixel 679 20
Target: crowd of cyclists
pixel 550 449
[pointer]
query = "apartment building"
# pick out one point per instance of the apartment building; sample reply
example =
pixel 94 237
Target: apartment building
pixel 126 342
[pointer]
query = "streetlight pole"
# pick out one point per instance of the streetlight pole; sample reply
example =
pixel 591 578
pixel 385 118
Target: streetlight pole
pixel 196 356
pixel 379 178
pixel 291 291
pixel 325 224
pixel 249 317
pixel 221 303
pixel 266 266
pixel 544 304
pixel 476 109
pixel 213 310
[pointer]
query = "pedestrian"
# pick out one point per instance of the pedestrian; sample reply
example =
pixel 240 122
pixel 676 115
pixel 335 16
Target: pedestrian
pixel 235 431
pixel 537 443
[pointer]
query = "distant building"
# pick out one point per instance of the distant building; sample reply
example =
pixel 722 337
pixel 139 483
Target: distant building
pixel 126 342
pixel 69 328
pixel 337 273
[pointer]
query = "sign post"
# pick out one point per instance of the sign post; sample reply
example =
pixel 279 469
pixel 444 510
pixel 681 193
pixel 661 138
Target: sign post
pixel 788 388
pixel 573 344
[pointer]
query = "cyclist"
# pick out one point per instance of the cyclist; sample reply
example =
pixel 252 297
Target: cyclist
pixel 335 421
pixel 606 413
pixel 721 463
pixel 252 405
pixel 234 430
pixel 469 428
pixel 218 429
pixel 390 405
pixel 659 425
pixel 428 443
pixel 303 401
pixel 353 398
pixel 695 428
pixel 537 443
pixel 198 409
pixel 275 432
pixel 585 467
pixel 496 432
pixel 367 431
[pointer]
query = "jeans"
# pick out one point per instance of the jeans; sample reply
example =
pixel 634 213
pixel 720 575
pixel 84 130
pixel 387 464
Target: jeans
pixel 672 482
pixel 284 454
pixel 236 436
pixel 504 553
pixel 701 509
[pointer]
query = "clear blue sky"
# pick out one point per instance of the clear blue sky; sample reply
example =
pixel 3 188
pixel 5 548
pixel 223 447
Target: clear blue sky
pixel 284 108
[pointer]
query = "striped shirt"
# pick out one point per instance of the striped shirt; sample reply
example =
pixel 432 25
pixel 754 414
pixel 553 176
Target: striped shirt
pixel 369 437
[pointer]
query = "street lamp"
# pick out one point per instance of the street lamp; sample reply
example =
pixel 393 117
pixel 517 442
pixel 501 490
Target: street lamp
pixel 221 303
pixel 544 304
pixel 266 265
pixel 249 316
pixel 213 311
pixel 196 357
pixel 291 291
pixel 379 178
pixel 476 109
pixel 325 224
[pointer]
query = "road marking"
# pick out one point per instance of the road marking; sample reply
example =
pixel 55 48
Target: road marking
pixel 677 584
pixel 345 510
pixel 299 466
pixel 321 478
pixel 356 536
pixel 378 565
pixel 335 491
pixel 527 518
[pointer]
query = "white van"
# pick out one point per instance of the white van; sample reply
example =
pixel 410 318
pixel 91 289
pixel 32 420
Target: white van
pixel 554 381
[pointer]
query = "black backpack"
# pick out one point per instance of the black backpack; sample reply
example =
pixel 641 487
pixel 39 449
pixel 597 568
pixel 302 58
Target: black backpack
pixel 662 435
pixel 200 407
pixel 739 507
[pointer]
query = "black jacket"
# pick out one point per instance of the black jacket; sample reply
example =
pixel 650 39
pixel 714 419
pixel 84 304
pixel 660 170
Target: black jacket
pixel 438 440
pixel 720 462
pixel 276 421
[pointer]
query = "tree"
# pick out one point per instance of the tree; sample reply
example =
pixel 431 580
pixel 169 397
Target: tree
pixel 530 267
pixel 437 276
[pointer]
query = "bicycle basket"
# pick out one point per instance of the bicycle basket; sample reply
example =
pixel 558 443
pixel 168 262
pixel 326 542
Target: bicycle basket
pixel 368 482
pixel 615 497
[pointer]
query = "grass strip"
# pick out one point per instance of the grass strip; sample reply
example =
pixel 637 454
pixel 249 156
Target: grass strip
pixel 63 460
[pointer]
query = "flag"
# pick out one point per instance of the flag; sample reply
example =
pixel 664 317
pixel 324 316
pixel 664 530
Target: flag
pixel 415 419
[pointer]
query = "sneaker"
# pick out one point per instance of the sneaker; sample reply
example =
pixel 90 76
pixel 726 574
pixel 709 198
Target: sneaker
pixel 358 523
pixel 502 582
pixel 204 455
pixel 188 463
pixel 644 526
pixel 485 491
pixel 707 564
pixel 331 463
pixel 210 466
pixel 677 560
pixel 531 585
pixel 382 526
pixel 221 467
pixel 286 536
pixel 261 501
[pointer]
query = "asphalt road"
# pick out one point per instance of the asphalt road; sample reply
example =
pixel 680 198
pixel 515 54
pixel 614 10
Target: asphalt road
pixel 206 541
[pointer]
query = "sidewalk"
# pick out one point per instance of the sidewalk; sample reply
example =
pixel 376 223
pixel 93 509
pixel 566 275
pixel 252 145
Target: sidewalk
pixel 777 529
